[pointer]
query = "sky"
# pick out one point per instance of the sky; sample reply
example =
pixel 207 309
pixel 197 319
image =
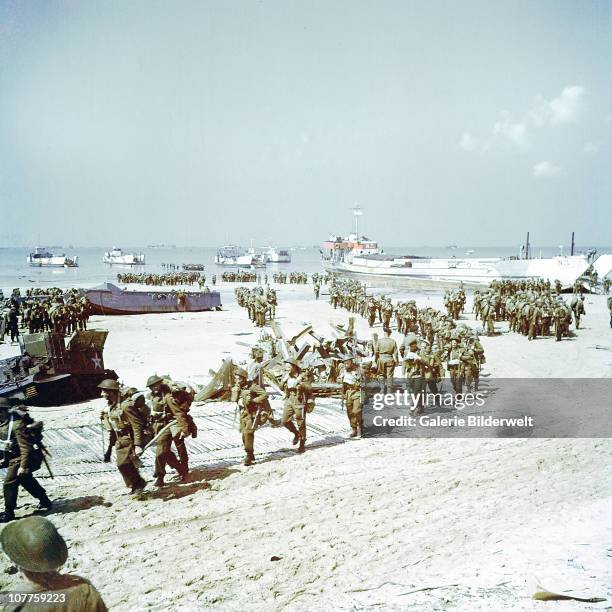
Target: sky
pixel 200 123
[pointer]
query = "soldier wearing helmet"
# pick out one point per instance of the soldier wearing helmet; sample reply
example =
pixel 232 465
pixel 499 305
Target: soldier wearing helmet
pixel 254 410
pixel 128 424
pixel 35 546
pixel 165 409
pixel 295 388
pixel 20 457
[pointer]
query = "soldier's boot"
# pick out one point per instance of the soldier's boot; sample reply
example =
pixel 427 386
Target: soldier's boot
pixel 293 429
pixel 44 503
pixel 250 458
pixel 354 433
pixel 107 456
pixel 159 482
pixel 302 447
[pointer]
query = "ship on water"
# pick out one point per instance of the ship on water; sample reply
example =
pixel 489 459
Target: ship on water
pixel 275 255
pixel 108 299
pixel 42 257
pixel 358 256
pixel 117 257
pixel 232 255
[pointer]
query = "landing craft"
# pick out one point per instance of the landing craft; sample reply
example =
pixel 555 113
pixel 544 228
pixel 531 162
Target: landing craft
pixel 108 299
pixel 358 256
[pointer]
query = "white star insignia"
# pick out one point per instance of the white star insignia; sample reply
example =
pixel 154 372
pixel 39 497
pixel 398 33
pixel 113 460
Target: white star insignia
pixel 97 361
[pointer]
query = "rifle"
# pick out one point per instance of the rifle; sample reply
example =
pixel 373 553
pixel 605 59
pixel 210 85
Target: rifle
pixel 158 434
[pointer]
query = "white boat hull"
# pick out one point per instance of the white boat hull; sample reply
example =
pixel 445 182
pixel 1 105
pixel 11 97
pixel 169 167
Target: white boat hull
pixel 241 261
pixel 58 261
pixel 124 260
pixel 473 271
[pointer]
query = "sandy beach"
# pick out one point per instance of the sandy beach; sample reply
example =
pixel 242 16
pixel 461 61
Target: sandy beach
pixel 352 524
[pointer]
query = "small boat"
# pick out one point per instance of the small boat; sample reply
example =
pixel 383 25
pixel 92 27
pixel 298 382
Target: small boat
pixel 117 256
pixel 274 255
pixel 108 299
pixel 232 255
pixel 193 267
pixel 42 257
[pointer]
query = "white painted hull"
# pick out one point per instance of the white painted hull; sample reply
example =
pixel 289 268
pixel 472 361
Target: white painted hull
pixel 58 261
pixel 241 261
pixel 279 259
pixel 129 259
pixel 474 271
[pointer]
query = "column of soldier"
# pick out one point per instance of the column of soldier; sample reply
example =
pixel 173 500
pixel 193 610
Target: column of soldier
pixel 530 307
pixel 294 278
pixel 432 341
pixel 170 278
pixel 45 310
pixel 260 305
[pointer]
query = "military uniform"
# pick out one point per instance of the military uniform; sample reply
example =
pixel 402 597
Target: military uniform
pixel 295 390
pixel 20 458
pixel 352 378
pixel 128 423
pixel 255 409
pixel 386 358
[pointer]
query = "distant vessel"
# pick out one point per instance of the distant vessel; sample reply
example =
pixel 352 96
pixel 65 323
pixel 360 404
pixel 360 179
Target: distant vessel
pixel 358 256
pixel 161 246
pixel 191 267
pixel 59 371
pixel 232 255
pixel 117 256
pixel 275 255
pixel 108 299
pixel 42 257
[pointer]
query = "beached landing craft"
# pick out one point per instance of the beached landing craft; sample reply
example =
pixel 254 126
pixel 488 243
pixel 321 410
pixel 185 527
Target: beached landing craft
pixel 41 257
pixel 108 299
pixel 358 256
pixel 56 371
pixel 117 256
pixel 232 255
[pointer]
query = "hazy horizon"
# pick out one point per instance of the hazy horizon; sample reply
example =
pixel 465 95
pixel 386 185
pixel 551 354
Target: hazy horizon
pixel 200 122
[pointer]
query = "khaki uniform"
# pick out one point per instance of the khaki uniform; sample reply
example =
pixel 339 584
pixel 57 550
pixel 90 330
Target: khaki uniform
pixel 294 407
pixel 255 409
pixel 19 453
pixel 386 358
pixel 351 393
pixel 128 424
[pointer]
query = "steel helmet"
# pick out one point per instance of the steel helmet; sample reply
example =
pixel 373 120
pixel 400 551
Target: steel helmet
pixel 110 384
pixel 154 380
pixel 34 544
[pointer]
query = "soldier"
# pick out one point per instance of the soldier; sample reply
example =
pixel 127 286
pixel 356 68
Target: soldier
pixel 295 389
pixel 34 545
pixel 169 406
pixel 454 365
pixel 21 456
pixel 578 309
pixel 254 410
pixel 352 377
pixel 128 424
pixel 386 358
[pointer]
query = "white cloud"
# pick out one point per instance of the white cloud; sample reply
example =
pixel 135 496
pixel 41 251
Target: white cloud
pixel 469 143
pixel 546 169
pixel 565 108
pixel 516 133
pixel 590 147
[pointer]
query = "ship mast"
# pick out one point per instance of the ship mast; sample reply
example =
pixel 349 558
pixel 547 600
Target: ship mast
pixel 357 212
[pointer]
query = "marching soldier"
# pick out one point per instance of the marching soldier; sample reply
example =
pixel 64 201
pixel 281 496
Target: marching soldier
pixel 386 357
pixel 295 389
pixel 21 456
pixel 170 411
pixel 454 365
pixel 255 409
pixel 352 378
pixel 128 424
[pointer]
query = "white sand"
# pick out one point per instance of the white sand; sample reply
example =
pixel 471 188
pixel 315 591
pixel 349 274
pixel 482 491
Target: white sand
pixel 356 524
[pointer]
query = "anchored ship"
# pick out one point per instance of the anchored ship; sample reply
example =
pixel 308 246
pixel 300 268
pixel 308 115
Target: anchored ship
pixel 108 299
pixel 117 256
pixel 275 255
pixel 232 255
pixel 42 257
pixel 358 256
pixel 52 371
